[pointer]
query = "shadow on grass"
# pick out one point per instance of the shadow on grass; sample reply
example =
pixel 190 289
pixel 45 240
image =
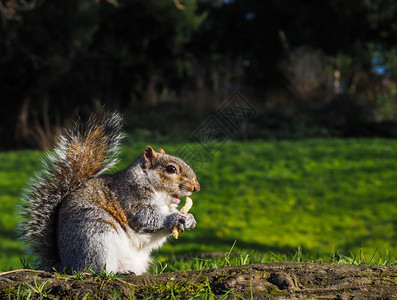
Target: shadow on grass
pixel 207 243
pixel 14 247
pixel 362 242
pixel 193 245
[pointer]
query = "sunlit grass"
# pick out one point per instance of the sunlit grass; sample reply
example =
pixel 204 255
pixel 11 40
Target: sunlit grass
pixel 333 199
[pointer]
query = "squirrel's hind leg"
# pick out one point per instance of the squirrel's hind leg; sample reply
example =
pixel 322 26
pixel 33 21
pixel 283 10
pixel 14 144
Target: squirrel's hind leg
pixel 81 250
pixel 99 244
pixel 85 238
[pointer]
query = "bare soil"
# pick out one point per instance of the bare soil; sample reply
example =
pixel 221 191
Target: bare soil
pixel 256 281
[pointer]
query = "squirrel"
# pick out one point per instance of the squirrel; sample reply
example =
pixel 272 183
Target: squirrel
pixel 76 218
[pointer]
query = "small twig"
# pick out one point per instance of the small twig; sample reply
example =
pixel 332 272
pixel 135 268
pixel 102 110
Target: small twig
pixel 125 282
pixel 22 270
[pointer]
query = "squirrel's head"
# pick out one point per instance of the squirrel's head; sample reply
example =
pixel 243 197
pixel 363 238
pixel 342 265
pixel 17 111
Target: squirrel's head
pixel 170 174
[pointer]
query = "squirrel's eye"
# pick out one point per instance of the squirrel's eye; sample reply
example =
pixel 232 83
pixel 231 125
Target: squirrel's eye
pixel 170 169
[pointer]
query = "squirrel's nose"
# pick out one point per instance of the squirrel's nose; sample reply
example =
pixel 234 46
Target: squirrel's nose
pixel 196 187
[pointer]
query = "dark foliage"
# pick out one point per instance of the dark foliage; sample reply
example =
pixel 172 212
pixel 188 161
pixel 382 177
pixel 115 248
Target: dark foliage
pixel 59 58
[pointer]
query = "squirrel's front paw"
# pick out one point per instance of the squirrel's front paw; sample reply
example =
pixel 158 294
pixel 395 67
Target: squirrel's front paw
pixel 181 220
pixel 190 222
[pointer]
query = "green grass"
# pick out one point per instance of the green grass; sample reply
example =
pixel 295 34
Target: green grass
pixel 312 200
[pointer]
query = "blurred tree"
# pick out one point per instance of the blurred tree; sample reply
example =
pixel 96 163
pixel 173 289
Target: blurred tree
pixel 64 56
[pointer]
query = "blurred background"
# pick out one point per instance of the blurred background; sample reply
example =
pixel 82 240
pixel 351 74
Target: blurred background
pixel 311 68
pixel 310 177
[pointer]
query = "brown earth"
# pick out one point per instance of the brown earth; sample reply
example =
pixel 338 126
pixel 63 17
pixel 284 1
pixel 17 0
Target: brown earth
pixel 259 281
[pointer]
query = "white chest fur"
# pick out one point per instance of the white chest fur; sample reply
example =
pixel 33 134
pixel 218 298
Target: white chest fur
pixel 164 203
pixel 129 251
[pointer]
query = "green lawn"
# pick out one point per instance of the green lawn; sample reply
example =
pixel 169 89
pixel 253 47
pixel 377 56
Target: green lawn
pixel 289 200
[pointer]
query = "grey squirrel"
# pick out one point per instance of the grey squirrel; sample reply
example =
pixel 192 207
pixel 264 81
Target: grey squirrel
pixel 76 217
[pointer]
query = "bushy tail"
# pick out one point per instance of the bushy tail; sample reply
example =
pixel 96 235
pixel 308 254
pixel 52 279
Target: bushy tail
pixel 81 153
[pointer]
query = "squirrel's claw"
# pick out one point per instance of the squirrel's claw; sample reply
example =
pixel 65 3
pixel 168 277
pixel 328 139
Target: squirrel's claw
pixel 181 220
pixel 190 222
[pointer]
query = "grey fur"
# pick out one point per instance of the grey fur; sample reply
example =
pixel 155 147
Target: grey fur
pixel 70 224
pixel 48 188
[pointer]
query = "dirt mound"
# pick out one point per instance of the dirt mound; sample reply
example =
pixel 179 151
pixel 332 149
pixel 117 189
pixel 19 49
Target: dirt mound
pixel 259 281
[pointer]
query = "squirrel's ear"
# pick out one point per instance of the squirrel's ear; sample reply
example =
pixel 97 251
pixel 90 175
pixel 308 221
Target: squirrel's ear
pixel 160 150
pixel 150 154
